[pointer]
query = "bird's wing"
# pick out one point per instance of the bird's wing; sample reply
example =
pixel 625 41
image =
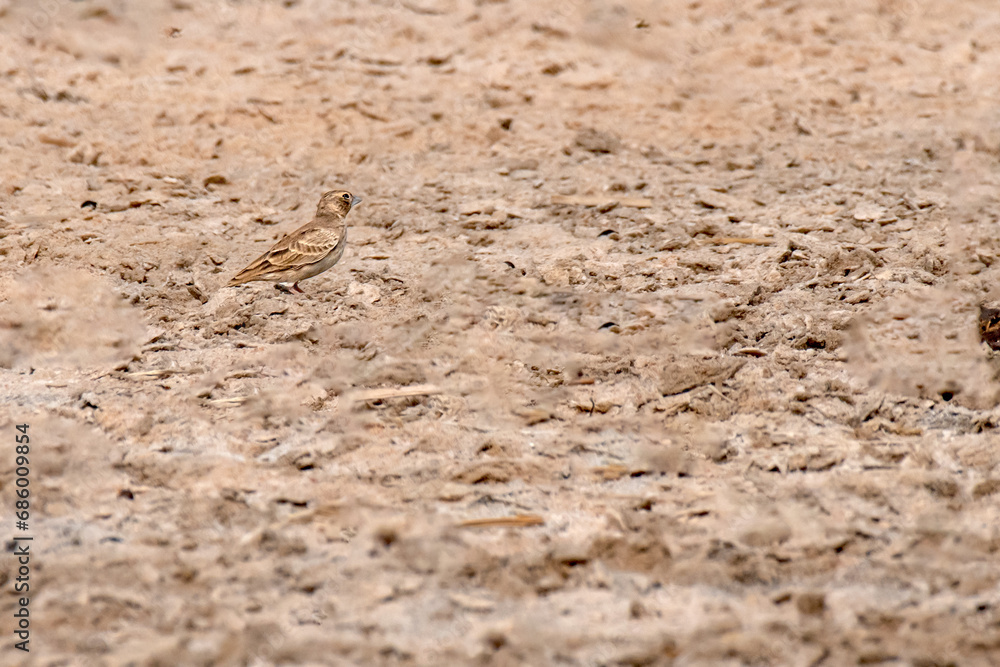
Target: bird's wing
pixel 302 247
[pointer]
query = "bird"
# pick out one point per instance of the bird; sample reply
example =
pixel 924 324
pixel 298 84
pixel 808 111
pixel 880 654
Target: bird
pixel 308 251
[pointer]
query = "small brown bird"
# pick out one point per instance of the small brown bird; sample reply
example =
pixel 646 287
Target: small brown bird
pixel 309 250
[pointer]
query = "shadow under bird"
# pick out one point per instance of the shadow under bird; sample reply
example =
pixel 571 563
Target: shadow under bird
pixel 309 250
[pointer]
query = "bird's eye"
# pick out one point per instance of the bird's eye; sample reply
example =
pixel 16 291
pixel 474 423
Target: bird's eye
pixel 346 196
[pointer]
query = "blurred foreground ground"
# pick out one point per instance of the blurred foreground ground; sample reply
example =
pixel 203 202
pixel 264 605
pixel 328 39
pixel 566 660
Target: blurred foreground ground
pixel 694 284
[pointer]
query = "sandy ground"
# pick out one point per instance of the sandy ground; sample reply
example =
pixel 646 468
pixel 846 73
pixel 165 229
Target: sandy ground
pixel 678 300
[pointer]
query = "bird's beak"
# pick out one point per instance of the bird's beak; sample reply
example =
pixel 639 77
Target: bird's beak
pixel 355 200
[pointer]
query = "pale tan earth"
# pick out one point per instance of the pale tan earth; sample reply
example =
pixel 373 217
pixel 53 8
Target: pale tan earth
pixel 782 449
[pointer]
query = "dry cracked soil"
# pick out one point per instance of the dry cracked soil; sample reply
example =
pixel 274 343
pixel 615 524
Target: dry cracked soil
pixel 655 341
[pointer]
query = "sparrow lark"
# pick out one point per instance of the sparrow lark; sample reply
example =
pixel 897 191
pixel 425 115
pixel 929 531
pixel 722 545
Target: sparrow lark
pixel 309 250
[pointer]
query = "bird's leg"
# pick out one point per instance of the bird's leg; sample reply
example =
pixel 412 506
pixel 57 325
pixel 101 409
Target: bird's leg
pixel 295 286
pixel 282 287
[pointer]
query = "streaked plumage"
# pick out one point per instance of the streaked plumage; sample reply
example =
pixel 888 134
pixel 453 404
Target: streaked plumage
pixel 309 250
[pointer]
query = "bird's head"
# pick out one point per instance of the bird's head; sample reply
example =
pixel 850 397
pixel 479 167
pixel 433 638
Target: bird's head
pixel 337 202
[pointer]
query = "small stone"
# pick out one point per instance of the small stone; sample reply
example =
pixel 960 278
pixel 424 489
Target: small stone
pixel 472 208
pixel 868 212
pixel 709 198
pixel 942 487
pixel 215 179
pixel 989 326
pixel 470 603
pixel 85 154
pixel 986 488
pixel 596 141
pixel 920 199
pixel 767 532
pixel 453 492
pixel 811 604
pixel 197 292
pixel 527 164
